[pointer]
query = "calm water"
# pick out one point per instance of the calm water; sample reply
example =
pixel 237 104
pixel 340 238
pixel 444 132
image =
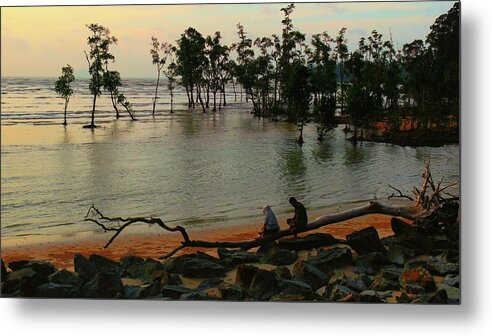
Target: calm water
pixel 188 168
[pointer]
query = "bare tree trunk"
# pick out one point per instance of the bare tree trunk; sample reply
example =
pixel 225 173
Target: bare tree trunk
pixel 223 93
pixel 370 208
pixel 234 88
pixel 198 93
pixel 65 112
pixel 155 94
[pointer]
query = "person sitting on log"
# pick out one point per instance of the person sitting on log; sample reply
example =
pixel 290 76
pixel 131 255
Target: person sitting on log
pixel 300 219
pixel 270 225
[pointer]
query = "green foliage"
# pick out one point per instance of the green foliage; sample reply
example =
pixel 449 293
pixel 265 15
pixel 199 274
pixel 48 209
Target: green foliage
pixel 63 86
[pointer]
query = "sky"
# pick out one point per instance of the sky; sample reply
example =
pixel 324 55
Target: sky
pixel 38 41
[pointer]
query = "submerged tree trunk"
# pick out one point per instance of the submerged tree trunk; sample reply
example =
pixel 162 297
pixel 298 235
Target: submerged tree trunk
pixel 198 93
pixel 234 89
pixel 65 112
pixel 223 93
pixel 155 94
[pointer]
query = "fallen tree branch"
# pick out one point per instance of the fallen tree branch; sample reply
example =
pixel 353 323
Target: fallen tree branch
pixel 400 194
pixel 370 208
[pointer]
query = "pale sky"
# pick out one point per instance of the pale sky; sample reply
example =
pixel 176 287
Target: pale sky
pixel 38 41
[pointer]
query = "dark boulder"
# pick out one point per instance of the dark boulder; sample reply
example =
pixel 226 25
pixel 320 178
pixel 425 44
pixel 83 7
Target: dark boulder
pixel 403 298
pixel 340 292
pixel 53 290
pixel 236 257
pixel 452 280
pixel 86 269
pixel 439 297
pixel 170 279
pixel 279 257
pixel 24 281
pixel 349 279
pixel 453 293
pixel 308 242
pixel 398 254
pixel 283 272
pixel 417 277
pixel 203 268
pixel 328 260
pixel 365 241
pixel 139 292
pixel 383 284
pixel 310 274
pixel 370 296
pixel 231 292
pixel 267 247
pixel 174 292
pixel 400 227
pixel 65 277
pixel 19 264
pixel 43 268
pixel 440 266
pixel 371 263
pixel 210 283
pixel 264 285
pixel 390 273
pixel 148 270
pixel 104 264
pixel 245 275
pixel 193 296
pixel 103 285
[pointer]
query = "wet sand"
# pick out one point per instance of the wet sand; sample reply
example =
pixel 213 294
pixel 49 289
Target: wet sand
pixel 154 245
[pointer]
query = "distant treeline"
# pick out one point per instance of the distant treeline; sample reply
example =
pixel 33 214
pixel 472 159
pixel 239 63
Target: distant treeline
pixel 283 75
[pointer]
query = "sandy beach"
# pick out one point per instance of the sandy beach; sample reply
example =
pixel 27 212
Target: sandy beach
pixel 154 245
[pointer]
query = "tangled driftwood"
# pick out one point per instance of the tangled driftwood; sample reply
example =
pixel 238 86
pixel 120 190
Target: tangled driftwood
pixel 423 204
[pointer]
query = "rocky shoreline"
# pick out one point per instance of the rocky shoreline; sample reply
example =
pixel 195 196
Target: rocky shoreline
pixel 418 264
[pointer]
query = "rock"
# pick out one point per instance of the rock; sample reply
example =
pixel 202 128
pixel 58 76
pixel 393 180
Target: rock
pixel 421 299
pixel 400 227
pixel 370 296
pixel 4 271
pixel 236 257
pixel 452 280
pixel 231 292
pixel 203 268
pixel 52 290
pixel 193 296
pixel 417 276
pixel 26 278
pixel 415 263
pixel 170 279
pixel 267 247
pixel 390 273
pixel 328 260
pixel 264 285
pixel 365 241
pixel 148 270
pixel 86 269
pixel 371 263
pixel 414 288
pixel 174 292
pixel 308 273
pixel 297 287
pixel 104 264
pixel 129 261
pixel 209 283
pixel 139 292
pixel 283 297
pixel 398 254
pixel 340 292
pixel 283 273
pixel 440 297
pixel 44 268
pixel 348 279
pixel 279 257
pixel 245 275
pixel 19 264
pixel 440 266
pixel 403 298
pixel 453 293
pixel 103 285
pixel 382 284
pixel 308 242
pixel 65 277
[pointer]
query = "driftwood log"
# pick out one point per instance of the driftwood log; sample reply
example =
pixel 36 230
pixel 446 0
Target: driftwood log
pixel 423 204
pixel 118 224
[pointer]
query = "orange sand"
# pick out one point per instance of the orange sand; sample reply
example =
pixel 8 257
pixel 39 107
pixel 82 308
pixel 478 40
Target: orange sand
pixel 154 245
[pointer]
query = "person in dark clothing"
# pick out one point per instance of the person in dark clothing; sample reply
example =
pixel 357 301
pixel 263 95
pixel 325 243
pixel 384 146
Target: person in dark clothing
pixel 300 219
